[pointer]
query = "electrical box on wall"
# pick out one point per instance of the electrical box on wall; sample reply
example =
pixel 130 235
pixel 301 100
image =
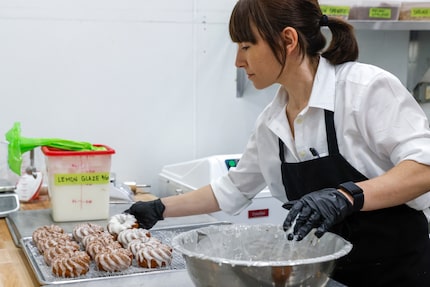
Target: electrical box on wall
pixel 422 89
pixel 422 92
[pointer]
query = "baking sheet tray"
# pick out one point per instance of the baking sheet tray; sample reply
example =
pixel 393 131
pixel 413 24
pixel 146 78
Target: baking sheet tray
pixel 9 203
pixel 45 276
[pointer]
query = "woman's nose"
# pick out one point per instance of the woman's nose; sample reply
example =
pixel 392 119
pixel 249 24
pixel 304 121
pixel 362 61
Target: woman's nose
pixel 240 63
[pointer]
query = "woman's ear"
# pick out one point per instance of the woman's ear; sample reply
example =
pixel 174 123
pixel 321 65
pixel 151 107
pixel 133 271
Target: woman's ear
pixel 290 37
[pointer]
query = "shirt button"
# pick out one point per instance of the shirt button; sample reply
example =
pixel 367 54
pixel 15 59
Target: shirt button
pixel 302 154
pixel 299 121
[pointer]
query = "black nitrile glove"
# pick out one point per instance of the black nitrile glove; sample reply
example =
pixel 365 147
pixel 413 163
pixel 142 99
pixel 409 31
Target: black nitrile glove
pixel 319 209
pixel 147 213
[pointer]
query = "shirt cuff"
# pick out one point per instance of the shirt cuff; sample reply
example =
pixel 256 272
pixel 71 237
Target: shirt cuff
pixel 229 198
pixel 422 202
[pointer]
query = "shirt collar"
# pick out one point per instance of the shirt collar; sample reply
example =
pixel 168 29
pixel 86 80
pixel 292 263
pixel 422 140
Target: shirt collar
pixel 323 89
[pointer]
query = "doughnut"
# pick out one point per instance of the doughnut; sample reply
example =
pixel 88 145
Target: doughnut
pixel 143 242
pixel 58 240
pixel 75 265
pixel 83 229
pixel 150 252
pixel 53 252
pixel 104 237
pixel 153 257
pixel 125 236
pixel 46 231
pixel 113 260
pixel 120 222
pixel 95 247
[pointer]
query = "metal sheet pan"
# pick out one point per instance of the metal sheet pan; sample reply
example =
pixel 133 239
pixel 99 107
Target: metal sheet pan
pixel 45 276
pixel 7 188
pixel 9 203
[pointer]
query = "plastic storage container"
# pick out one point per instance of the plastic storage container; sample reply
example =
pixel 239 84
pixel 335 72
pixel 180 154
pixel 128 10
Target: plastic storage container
pixel 375 11
pixel 78 183
pixel 415 11
pixel 336 8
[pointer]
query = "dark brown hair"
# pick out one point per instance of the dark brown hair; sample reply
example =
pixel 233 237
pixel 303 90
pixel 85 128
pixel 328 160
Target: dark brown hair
pixel 270 17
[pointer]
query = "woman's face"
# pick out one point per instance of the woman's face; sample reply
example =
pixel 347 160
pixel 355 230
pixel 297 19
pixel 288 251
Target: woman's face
pixel 259 62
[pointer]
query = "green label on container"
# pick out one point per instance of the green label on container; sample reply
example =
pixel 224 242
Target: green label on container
pixel 81 178
pixel 420 12
pixel 384 13
pixel 335 10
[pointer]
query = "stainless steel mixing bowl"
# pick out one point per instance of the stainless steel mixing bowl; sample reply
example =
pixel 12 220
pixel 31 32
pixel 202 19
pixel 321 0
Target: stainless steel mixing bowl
pixel 258 255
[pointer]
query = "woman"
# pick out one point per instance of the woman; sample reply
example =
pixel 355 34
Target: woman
pixel 343 144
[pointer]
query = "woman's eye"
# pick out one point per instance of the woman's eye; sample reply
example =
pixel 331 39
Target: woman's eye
pixel 244 46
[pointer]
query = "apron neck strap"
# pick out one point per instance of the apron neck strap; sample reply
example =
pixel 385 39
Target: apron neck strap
pixel 281 150
pixel 331 132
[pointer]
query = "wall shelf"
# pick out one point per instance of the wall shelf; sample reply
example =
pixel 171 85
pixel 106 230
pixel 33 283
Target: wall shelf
pixel 418 57
pixel 391 25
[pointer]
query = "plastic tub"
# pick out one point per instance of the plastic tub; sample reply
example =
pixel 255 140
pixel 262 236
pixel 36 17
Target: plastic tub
pixel 336 8
pixel 415 11
pixel 78 183
pixel 375 11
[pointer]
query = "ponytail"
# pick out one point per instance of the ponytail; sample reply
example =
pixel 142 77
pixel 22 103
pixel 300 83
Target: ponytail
pixel 343 46
pixel 270 17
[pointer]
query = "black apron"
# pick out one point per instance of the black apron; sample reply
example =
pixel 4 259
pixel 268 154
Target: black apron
pixel 391 246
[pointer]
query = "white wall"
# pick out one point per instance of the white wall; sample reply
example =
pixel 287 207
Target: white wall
pixel 153 79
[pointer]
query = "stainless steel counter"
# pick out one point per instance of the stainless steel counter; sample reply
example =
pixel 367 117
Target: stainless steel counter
pixel 169 279
pixel 179 279
pixel 22 224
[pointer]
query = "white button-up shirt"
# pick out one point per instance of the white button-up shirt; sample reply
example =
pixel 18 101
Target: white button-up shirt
pixel 378 124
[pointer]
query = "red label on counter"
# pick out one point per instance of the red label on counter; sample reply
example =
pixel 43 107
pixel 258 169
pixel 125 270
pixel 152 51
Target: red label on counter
pixel 258 213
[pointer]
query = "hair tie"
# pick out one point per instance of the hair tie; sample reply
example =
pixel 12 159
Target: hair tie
pixel 324 20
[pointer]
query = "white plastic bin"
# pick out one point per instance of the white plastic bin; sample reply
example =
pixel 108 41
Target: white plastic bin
pixel 187 176
pixel 78 183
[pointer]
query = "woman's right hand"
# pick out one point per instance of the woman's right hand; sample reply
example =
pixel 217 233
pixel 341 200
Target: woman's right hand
pixel 319 209
pixel 147 213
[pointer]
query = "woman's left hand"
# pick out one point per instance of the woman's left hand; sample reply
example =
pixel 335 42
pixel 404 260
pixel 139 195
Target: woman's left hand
pixel 319 209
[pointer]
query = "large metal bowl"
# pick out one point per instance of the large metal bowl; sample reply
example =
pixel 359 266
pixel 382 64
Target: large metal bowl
pixel 258 255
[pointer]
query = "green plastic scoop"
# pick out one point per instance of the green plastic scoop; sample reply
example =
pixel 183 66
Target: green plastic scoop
pixel 17 145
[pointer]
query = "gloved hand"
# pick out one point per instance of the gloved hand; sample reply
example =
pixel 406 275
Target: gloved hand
pixel 319 209
pixel 147 213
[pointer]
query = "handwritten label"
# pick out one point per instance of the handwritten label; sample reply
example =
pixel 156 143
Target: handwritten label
pixel 420 12
pixel 81 202
pixel 384 13
pixel 81 178
pixel 340 11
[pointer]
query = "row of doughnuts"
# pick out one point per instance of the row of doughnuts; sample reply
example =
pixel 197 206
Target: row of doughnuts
pixel 61 251
pixel 107 253
pixel 112 249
